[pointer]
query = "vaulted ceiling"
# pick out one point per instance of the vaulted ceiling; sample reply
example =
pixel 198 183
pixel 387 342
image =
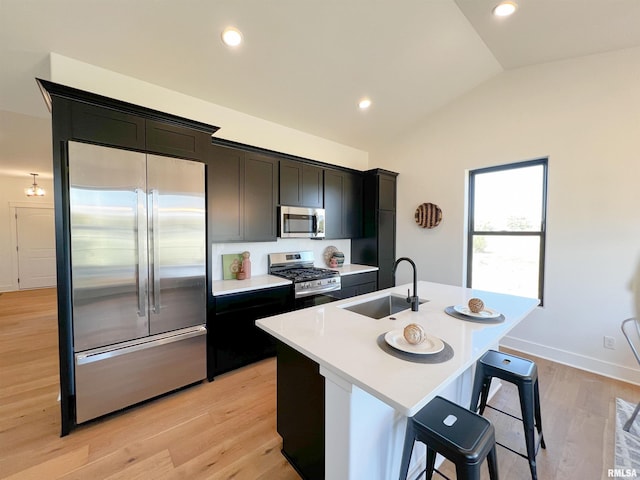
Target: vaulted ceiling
pixel 303 64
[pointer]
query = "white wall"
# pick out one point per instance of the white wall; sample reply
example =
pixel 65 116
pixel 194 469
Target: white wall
pixel 584 114
pixel 260 252
pixel 234 125
pixel 12 191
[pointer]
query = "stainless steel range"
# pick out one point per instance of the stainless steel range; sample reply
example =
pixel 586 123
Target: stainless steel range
pixel 307 280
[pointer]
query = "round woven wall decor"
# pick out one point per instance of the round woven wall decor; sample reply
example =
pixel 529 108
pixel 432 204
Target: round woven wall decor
pixel 428 215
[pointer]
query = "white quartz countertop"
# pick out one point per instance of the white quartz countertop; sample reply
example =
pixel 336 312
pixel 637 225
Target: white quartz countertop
pixel 225 287
pixel 354 268
pixel 256 282
pixel 344 342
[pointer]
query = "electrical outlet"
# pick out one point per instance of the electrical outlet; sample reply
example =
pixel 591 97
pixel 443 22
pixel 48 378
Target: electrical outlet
pixel 609 342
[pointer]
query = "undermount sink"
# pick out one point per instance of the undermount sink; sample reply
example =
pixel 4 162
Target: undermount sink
pixel 381 307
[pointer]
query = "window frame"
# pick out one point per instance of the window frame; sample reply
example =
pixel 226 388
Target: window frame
pixel 541 233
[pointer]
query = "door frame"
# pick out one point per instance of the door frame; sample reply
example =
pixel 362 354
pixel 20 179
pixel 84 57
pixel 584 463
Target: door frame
pixel 13 225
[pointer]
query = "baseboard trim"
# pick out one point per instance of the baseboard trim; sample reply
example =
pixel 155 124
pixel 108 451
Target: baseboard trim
pixel 582 362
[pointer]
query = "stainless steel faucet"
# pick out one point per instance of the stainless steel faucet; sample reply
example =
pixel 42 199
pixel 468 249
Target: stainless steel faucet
pixel 412 299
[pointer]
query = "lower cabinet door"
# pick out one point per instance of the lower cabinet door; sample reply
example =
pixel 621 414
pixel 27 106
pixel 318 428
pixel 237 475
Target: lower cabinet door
pixel 238 342
pixel 235 340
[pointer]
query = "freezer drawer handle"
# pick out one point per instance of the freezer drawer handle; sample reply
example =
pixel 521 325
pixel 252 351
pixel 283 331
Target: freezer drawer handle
pixel 83 359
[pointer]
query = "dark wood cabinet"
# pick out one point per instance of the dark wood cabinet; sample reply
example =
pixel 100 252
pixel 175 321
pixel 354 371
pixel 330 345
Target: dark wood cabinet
pixel 241 192
pixel 260 193
pixel 358 284
pixel 377 246
pixel 352 205
pixel 301 184
pixel 343 197
pixel 300 412
pixel 225 194
pixel 386 247
pixel 176 140
pixel 233 338
pixel 106 126
pixel 387 192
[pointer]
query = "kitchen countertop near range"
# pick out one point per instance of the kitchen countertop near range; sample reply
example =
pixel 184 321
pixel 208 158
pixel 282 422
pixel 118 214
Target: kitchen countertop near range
pixel 354 268
pixel 257 282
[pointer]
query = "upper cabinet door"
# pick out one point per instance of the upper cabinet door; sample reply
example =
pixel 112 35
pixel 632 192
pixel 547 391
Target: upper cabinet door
pixel 343 204
pixel 225 194
pixel 260 197
pixel 177 141
pixel 352 205
pixel 312 191
pixel 300 184
pixel 387 190
pixel 106 126
pixel 290 183
pixel 333 186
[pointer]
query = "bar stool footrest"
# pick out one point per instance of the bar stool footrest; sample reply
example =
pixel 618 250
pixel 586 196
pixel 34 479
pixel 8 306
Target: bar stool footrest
pixel 518 453
pixel 502 411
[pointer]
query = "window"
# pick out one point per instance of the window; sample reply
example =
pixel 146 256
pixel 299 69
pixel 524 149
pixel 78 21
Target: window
pixel 506 233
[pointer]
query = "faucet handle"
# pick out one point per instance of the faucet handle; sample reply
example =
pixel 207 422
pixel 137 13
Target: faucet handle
pixel 408 296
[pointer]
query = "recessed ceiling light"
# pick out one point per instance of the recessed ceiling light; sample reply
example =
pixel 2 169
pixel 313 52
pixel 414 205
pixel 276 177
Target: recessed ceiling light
pixel 232 37
pixel 504 9
pixel 364 103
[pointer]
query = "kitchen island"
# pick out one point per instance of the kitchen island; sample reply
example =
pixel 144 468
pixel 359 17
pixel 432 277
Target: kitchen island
pixel 368 392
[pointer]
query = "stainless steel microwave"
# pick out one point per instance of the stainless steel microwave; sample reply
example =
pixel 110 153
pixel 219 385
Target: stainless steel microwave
pixel 301 222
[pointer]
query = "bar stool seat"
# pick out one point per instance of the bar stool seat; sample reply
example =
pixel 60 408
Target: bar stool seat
pixel 523 373
pixel 460 435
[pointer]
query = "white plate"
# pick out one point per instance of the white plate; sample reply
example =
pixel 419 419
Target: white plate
pixel 431 344
pixel 484 313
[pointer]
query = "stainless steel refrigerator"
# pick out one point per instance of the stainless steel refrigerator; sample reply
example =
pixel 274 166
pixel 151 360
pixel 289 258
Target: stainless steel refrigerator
pixel 138 278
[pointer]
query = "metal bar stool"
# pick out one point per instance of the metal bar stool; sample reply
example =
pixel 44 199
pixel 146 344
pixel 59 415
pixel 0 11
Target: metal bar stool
pixel 524 374
pixel 462 436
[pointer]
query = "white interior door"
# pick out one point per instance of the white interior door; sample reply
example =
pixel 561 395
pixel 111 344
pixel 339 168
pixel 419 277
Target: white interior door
pixel 35 239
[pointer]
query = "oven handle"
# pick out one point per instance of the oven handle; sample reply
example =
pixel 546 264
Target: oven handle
pixel 318 291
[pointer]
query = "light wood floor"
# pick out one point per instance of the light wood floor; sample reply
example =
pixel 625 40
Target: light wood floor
pixel 226 429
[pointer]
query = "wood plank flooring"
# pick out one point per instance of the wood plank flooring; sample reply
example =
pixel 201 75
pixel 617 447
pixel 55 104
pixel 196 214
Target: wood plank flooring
pixel 226 429
pixel 219 430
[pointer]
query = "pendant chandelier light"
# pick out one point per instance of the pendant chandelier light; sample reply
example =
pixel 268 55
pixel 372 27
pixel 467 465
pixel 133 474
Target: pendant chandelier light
pixel 34 190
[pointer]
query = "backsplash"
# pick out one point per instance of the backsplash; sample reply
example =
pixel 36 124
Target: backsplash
pixel 261 250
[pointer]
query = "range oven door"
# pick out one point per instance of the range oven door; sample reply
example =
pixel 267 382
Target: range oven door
pixel 316 299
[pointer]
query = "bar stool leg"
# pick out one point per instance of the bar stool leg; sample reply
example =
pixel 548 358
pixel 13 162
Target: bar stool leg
pixel 478 384
pixel 468 471
pixel 431 463
pixel 536 393
pixel 492 460
pixel 409 439
pixel 486 386
pixel 526 405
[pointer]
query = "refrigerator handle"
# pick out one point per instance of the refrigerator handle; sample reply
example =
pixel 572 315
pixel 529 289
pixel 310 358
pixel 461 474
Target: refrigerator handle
pixel 140 264
pixel 155 261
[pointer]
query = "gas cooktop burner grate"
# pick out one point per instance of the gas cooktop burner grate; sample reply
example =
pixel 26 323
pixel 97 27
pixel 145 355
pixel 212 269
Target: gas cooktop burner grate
pixel 307 279
pixel 305 274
